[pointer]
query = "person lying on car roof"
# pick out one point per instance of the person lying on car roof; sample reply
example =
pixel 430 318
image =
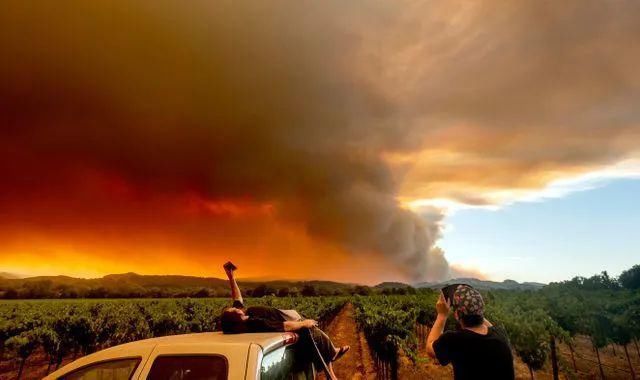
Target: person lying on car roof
pixel 239 319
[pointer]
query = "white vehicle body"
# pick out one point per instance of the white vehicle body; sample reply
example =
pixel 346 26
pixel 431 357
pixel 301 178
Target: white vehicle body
pixel 181 357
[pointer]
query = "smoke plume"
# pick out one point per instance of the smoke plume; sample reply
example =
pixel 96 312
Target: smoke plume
pixel 314 115
pixel 250 103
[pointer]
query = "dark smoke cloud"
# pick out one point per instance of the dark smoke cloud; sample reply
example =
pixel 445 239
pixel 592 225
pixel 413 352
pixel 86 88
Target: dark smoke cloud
pixel 297 104
pixel 232 101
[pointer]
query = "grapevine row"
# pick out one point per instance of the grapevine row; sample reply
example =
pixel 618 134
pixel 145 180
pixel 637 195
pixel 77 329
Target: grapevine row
pixel 62 329
pixel 534 321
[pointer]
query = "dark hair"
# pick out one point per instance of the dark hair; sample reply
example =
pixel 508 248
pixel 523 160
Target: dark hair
pixel 472 320
pixel 232 322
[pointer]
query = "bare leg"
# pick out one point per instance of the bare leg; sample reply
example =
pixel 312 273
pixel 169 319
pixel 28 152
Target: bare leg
pixel 332 375
pixel 324 344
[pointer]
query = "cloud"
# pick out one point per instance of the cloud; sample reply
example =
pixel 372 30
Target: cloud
pixel 516 96
pixel 319 118
pixel 117 116
pixel 461 271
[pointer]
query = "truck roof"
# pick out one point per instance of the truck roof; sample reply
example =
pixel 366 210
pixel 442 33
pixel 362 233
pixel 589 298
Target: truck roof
pixel 261 339
pixel 264 340
pixel 235 346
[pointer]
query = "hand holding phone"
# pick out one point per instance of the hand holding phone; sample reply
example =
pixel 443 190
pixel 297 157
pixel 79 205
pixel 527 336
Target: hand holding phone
pixel 229 266
pixel 448 291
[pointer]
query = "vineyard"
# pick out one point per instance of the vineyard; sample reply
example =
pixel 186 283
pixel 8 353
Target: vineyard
pixel 63 330
pixel 553 331
pixel 536 322
pixel 389 324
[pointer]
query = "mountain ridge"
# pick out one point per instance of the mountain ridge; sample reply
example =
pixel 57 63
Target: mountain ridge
pixel 168 280
pixel 131 284
pixel 10 276
pixel 483 284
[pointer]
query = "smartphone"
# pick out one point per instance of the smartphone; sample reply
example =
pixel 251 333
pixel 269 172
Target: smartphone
pixel 229 266
pixel 450 289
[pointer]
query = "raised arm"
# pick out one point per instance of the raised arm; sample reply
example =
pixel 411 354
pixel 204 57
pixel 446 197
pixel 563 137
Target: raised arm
pixel 442 307
pixel 235 289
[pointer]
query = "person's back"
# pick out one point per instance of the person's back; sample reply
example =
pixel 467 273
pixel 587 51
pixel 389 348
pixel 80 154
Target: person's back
pixel 476 356
pixel 478 350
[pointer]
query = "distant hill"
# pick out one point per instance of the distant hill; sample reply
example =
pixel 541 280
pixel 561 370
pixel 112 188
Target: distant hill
pixel 133 285
pixel 392 285
pixel 163 281
pixel 483 284
pixel 9 275
pixel 136 285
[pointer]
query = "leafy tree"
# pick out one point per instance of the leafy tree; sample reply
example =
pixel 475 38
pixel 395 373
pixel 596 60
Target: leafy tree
pixel 309 291
pixel 263 290
pixel 202 293
pixel 362 290
pixel 99 292
pixel 38 289
pixel 630 278
pixel 10 294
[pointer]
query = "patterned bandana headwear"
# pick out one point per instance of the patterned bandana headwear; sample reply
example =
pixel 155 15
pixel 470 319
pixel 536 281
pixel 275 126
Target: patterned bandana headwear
pixel 467 301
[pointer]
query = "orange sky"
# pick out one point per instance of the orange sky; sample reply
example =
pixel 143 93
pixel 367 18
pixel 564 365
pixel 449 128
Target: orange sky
pixel 169 235
pixel 307 140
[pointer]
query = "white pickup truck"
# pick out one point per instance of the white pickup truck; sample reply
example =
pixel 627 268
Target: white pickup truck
pixel 204 356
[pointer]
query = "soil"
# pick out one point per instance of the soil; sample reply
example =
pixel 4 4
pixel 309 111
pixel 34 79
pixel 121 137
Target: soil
pixel 357 363
pixel 34 368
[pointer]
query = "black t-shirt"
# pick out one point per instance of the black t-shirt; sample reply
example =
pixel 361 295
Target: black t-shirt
pixel 476 356
pixel 262 318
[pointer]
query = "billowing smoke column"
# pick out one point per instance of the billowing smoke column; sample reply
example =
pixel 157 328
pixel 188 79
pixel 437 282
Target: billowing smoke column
pixel 258 103
pixel 314 115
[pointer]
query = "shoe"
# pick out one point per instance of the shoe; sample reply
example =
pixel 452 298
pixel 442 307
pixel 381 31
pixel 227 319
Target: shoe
pixel 343 350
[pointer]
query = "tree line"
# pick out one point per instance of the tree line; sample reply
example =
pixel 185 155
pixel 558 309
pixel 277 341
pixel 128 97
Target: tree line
pixel 48 289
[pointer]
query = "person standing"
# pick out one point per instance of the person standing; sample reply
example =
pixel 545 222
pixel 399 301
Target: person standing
pixel 478 350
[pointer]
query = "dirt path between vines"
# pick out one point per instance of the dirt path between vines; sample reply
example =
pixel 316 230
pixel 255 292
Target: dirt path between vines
pixel 357 363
